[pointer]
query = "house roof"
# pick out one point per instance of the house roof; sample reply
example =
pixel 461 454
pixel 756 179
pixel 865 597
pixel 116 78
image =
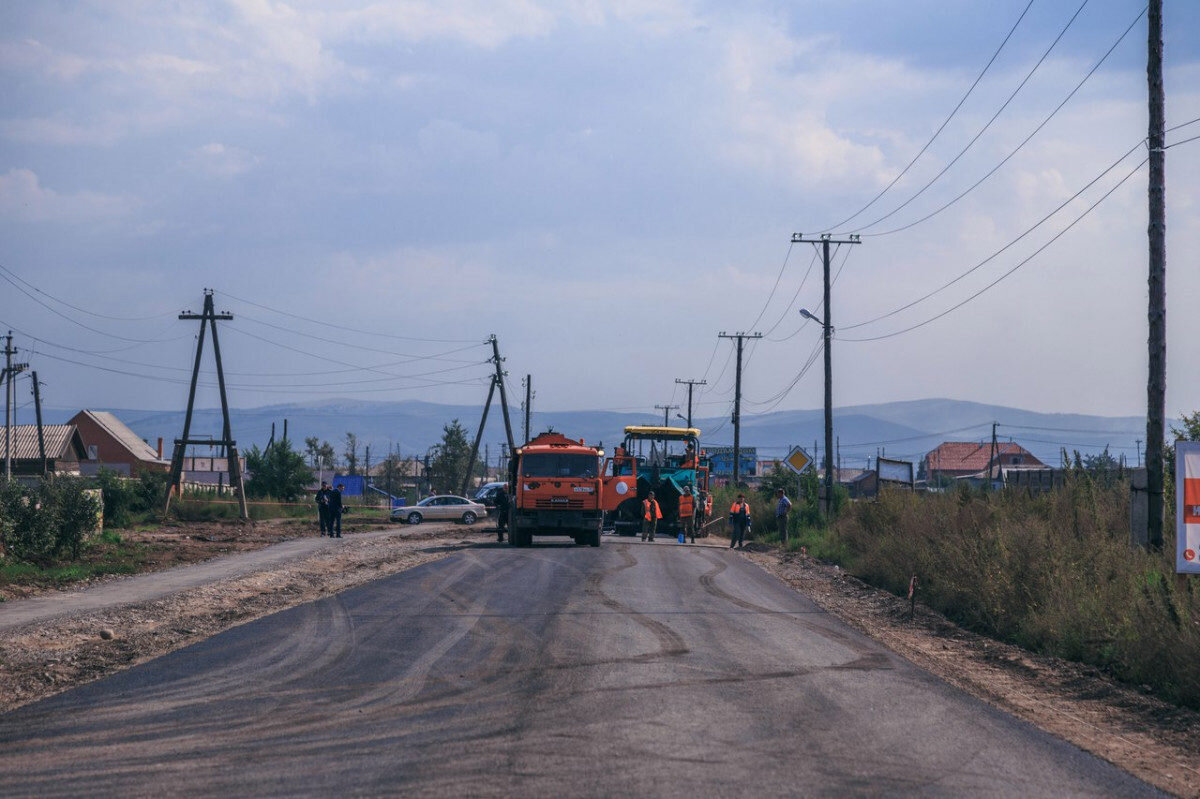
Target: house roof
pixel 62 442
pixel 974 456
pixel 122 435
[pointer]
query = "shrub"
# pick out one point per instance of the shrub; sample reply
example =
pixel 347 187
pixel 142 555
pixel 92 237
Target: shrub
pixel 47 521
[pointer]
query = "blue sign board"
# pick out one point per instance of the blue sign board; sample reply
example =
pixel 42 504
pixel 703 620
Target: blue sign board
pixel 722 460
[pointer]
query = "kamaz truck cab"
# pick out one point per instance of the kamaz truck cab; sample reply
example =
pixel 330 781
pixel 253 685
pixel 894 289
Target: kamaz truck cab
pixel 554 483
pixel 665 460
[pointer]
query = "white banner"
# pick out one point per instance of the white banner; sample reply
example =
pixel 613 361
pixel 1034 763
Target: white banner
pixel 1187 507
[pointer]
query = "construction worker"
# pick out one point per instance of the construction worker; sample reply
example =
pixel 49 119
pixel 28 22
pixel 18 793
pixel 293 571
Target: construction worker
pixel 739 522
pixel 651 513
pixel 687 513
pixel 689 457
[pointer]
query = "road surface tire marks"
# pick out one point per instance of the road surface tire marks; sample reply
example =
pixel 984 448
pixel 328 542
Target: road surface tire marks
pixel 628 670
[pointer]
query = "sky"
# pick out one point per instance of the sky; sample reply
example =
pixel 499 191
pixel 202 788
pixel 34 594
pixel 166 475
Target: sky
pixel 373 189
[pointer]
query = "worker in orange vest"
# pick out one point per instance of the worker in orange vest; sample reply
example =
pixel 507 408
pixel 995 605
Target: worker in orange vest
pixel 651 513
pixel 687 513
pixel 739 520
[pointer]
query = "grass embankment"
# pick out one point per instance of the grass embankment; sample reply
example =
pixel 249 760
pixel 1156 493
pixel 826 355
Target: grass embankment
pixel 106 554
pixel 1053 573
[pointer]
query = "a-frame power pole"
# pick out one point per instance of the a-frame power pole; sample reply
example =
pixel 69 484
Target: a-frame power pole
pixel 208 321
pixel 496 382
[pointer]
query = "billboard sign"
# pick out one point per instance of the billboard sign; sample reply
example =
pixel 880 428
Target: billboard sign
pixel 894 471
pixel 722 460
pixel 1187 507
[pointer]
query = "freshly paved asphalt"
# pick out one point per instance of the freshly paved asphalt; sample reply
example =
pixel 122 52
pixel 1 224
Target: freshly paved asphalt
pixel 631 670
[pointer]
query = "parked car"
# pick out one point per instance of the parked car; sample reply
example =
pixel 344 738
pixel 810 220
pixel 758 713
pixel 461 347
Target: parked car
pixel 444 506
pixel 487 496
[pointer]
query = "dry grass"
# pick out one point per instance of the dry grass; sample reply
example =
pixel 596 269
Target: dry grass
pixel 1053 573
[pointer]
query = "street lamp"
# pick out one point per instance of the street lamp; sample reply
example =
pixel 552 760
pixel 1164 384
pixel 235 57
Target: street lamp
pixel 828 330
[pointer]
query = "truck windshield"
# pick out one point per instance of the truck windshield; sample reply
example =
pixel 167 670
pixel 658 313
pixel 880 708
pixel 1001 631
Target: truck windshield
pixel 558 464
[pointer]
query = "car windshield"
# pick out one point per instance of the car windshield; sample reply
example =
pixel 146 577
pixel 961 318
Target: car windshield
pixel 558 464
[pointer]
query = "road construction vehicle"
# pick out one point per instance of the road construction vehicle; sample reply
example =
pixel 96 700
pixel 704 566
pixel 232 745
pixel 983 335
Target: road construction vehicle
pixel 665 460
pixel 554 482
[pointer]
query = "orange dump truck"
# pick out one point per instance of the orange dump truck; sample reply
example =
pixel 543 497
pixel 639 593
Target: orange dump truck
pixel 554 482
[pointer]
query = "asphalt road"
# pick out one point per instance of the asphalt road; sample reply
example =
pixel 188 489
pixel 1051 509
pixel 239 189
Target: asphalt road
pixel 631 670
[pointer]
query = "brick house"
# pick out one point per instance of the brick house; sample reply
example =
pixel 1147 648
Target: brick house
pixel 112 445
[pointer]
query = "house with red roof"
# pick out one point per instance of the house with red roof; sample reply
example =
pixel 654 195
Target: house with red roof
pixel 969 458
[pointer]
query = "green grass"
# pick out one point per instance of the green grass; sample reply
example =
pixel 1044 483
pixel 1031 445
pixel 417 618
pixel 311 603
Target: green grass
pixel 107 555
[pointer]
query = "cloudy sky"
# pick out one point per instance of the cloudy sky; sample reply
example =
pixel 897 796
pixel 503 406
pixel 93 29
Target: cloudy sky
pixel 603 185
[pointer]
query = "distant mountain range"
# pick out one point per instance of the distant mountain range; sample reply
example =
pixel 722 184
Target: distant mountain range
pixel 903 430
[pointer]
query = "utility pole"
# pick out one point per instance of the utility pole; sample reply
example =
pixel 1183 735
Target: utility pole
pixel 991 459
pixel 737 401
pixel 528 403
pixel 666 409
pixel 1139 452
pixel 208 319
pixel 691 384
pixel 37 409
pixel 1156 388
pixel 825 240
pixel 11 370
pixel 497 382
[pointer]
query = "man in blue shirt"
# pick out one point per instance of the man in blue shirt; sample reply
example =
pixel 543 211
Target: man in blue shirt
pixel 783 506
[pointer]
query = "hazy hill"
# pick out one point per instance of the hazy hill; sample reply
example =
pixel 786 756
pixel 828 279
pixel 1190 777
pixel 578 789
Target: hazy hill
pixel 903 429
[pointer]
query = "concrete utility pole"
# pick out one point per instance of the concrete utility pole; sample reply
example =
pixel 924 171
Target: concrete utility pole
pixel 496 382
pixel 691 384
pixel 824 241
pixel 666 409
pixel 9 378
pixel 1156 388
pixel 528 403
pixel 992 459
pixel 737 401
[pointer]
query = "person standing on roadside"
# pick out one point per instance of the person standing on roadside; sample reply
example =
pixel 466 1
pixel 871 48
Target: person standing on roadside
pixel 651 513
pixel 501 513
pixel 687 513
pixel 335 510
pixel 739 521
pixel 323 507
pixel 783 506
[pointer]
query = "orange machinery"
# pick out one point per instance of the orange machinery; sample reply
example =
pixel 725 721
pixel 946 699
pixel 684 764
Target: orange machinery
pixel 555 485
pixel 659 459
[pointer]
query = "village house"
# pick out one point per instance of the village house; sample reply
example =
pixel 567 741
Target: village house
pixel 956 459
pixel 64 450
pixel 110 444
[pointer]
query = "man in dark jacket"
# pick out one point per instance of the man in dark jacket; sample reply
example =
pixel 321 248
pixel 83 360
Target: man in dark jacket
pixel 323 507
pixel 335 511
pixel 501 513
pixel 739 522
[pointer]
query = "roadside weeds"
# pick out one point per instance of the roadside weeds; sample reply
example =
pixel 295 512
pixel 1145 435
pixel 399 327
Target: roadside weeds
pixel 1156 742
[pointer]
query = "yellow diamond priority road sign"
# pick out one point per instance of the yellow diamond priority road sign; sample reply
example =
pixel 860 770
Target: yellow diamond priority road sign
pixel 798 460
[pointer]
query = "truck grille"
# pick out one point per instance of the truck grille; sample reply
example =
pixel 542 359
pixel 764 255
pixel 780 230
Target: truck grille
pixel 550 503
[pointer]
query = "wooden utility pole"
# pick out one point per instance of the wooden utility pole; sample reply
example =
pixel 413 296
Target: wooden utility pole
pixel 208 319
pixel 497 382
pixel 1156 388
pixel 740 338
pixel 691 384
pixel 824 241
pixel 666 409
pixel 37 409
pixel 11 370
pixel 991 459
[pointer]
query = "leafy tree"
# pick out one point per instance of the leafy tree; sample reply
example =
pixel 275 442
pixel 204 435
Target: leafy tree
pixel 451 459
pixel 351 453
pixel 280 472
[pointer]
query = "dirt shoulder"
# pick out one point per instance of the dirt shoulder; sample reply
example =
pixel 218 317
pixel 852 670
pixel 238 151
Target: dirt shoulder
pixel 1151 739
pixel 47 657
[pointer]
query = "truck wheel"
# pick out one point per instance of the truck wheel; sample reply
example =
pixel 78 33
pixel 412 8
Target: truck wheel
pixel 595 538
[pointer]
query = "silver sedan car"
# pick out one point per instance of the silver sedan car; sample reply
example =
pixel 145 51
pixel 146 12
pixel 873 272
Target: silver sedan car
pixel 442 507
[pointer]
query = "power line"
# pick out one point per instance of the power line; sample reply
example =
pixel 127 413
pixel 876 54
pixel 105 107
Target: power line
pixel 346 328
pixel 774 288
pixel 1014 151
pixel 795 296
pixel 991 285
pixel 941 127
pixel 996 116
pixel 355 345
pixel 13 274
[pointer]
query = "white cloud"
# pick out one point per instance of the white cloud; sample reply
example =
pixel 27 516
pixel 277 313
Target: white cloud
pixel 23 197
pixel 222 161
